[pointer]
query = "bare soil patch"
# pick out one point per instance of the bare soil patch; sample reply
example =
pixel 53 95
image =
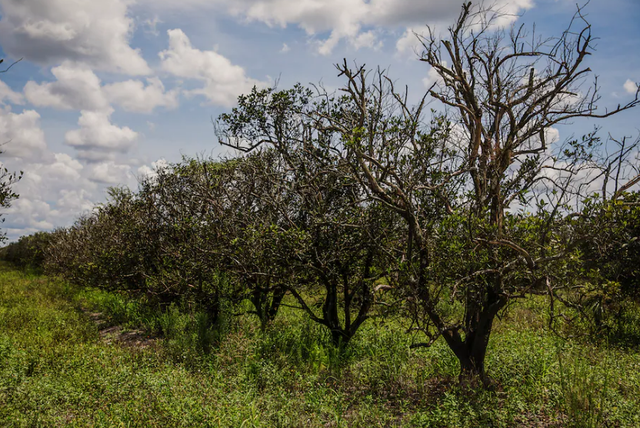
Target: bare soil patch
pixel 109 333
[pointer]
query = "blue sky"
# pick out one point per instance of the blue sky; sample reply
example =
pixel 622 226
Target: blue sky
pixel 107 90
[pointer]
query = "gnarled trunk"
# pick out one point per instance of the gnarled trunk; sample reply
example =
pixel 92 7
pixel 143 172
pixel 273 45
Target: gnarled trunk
pixel 472 349
pixel 266 301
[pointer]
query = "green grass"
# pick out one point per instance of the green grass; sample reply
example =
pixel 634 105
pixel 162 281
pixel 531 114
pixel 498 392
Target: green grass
pixel 56 371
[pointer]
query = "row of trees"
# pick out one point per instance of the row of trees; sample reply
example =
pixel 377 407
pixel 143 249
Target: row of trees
pixel 248 228
pixel 355 199
pixel 485 203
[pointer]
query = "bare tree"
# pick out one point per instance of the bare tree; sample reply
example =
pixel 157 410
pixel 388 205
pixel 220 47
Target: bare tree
pixel 502 92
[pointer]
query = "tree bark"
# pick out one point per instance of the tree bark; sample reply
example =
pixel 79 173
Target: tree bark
pixel 472 350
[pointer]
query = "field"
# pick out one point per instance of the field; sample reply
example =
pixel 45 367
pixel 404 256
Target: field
pixel 85 357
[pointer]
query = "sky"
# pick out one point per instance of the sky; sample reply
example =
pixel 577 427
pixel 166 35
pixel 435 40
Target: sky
pixel 108 90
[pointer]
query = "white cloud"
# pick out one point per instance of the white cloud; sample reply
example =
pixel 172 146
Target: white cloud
pixel 54 170
pixel 94 32
pixel 285 48
pixel 20 134
pixel 630 86
pixel 410 42
pixel 77 87
pixel 223 80
pixel 6 93
pixel 33 213
pixel 56 189
pixel 433 77
pixel 98 138
pixel 53 191
pixel 109 173
pixel 65 168
pixel 146 171
pixel 366 40
pixel 75 201
pixel 134 96
pixel 346 19
pixel 151 25
pixel 551 135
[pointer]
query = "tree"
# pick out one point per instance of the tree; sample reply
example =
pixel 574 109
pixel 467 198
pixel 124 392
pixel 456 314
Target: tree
pixel 606 272
pixel 161 242
pixel 481 191
pixel 7 195
pixel 29 251
pixel 245 230
pixel 503 92
pixel 333 233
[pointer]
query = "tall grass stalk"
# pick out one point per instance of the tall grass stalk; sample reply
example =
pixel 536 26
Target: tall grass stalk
pixel 584 390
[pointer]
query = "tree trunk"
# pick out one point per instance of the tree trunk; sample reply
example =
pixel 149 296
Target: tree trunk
pixel 472 371
pixel 266 303
pixel 276 300
pixel 472 350
pixel 340 338
pixel 213 310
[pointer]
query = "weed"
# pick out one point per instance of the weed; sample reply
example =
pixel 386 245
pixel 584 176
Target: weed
pixel 584 390
pixel 55 370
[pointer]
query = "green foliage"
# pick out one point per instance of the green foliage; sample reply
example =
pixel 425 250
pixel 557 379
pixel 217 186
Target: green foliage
pixel 604 268
pixel 56 371
pixel 584 391
pixel 29 251
pixel 345 202
pixel 610 256
pixel 7 180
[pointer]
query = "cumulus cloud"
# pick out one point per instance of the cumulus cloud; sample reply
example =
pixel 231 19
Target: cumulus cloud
pixel 75 201
pixel 57 189
pixel 146 171
pixel 630 86
pixel 53 191
pixel 77 87
pixel 366 40
pixel 134 96
pixel 20 134
pixel 97 138
pixel 347 19
pixel 6 93
pixel 54 169
pixel 33 213
pixel 433 77
pixel 109 173
pixel 63 168
pixel 410 42
pixel 223 81
pixel 94 32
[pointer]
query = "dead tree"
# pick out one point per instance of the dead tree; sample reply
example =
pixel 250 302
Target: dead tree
pixel 464 187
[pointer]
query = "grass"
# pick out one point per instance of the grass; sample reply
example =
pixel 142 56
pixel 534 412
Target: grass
pixel 56 370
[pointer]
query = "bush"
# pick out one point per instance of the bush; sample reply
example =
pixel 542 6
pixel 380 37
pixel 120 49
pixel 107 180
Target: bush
pixel 29 252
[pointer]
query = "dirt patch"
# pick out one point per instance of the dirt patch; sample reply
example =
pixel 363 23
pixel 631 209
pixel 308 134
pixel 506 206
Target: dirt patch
pixel 109 333
pixel 130 338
